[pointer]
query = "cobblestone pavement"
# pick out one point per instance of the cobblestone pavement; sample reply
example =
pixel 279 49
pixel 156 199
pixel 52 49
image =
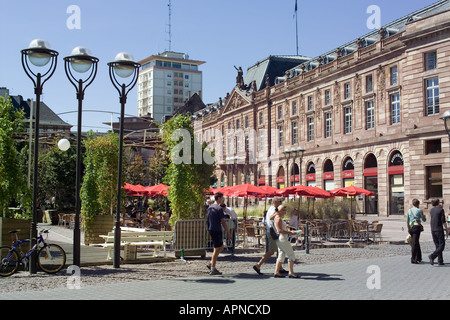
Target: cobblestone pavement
pixel 374 272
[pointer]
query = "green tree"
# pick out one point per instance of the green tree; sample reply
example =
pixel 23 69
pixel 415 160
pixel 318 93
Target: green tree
pixel 157 166
pixel 13 184
pixel 57 173
pixel 99 187
pixel 190 167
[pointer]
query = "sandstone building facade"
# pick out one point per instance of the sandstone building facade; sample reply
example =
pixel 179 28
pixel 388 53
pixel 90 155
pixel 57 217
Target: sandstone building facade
pixel 366 113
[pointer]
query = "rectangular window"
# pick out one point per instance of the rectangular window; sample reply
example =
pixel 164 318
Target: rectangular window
pixel 347 90
pixel 280 112
pixel 347 120
pixel 280 136
pixel 294 108
pixel 430 60
pixel 246 121
pixel 328 124
pixel 370 115
pixel 238 124
pixel 261 140
pixel 369 83
pixel 395 108
pixel 394 75
pixel 261 119
pixel 434 182
pixel 310 103
pixel 310 128
pixel 327 97
pixel 433 146
pixel 432 96
pixel 294 133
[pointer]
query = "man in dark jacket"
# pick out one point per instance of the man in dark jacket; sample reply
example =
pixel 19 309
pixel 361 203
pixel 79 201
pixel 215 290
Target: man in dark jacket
pixel 438 227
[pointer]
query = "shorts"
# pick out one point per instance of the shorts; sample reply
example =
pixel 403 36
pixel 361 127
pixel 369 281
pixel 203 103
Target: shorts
pixel 217 238
pixel 270 243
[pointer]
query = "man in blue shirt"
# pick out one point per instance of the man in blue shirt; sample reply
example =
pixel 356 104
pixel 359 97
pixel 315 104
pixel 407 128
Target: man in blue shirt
pixel 214 221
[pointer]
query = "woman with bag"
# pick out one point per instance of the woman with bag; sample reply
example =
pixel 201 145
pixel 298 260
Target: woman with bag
pixel 414 220
pixel 284 246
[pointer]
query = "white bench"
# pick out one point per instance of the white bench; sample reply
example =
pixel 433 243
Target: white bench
pixel 139 239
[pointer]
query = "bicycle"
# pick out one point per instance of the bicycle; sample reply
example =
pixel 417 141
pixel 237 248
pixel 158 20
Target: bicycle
pixel 51 258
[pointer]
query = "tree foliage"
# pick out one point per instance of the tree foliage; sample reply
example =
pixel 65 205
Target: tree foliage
pixel 57 173
pixel 13 184
pixel 188 174
pixel 99 187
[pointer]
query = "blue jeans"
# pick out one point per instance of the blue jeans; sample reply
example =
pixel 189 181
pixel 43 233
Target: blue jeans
pixel 439 242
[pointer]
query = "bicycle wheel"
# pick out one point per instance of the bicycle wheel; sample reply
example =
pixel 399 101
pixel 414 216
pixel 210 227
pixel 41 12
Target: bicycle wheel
pixel 8 265
pixel 51 258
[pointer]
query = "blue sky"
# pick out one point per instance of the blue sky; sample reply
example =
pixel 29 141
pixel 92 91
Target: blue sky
pixel 224 34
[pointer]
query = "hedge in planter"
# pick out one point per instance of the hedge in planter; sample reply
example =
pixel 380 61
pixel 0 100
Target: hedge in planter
pixel 99 187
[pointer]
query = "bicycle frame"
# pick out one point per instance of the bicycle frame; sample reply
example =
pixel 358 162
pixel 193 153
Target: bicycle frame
pixel 16 244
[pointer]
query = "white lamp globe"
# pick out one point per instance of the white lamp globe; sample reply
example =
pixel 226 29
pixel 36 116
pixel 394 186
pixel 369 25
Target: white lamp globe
pixel 81 65
pixel 64 144
pixel 39 59
pixel 124 70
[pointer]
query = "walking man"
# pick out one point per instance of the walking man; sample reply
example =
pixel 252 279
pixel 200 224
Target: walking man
pixel 438 225
pixel 215 220
pixel 271 245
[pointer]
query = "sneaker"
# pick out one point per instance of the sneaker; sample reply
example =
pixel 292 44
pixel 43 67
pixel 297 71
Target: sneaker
pixel 215 272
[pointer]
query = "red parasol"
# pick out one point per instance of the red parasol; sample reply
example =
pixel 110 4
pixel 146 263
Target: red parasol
pixel 351 191
pixel 157 190
pixel 246 190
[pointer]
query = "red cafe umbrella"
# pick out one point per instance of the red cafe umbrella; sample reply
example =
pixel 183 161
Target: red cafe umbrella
pixel 351 191
pixel 316 192
pixel 271 191
pixel 134 191
pixel 160 189
pixel 246 190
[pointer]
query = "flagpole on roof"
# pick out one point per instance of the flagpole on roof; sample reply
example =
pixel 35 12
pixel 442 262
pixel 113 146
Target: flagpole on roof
pixel 296 25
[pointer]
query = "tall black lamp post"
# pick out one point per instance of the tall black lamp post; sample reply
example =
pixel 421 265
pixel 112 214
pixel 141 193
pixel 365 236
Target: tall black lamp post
pixel 123 67
pixel 39 55
pixel 446 119
pixel 81 61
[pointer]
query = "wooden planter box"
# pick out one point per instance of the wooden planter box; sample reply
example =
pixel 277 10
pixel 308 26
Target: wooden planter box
pixel 8 224
pixel 100 226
